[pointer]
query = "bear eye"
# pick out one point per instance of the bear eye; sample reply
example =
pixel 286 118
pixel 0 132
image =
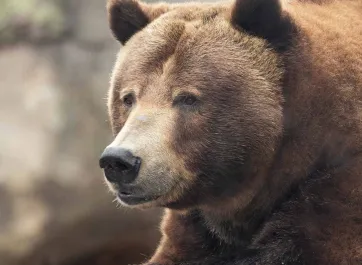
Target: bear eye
pixel 128 100
pixel 186 100
pixel 190 100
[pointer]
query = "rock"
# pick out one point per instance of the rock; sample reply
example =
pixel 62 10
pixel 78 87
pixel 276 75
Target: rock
pixel 31 20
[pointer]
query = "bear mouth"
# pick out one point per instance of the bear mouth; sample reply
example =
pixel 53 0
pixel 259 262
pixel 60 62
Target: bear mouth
pixel 131 199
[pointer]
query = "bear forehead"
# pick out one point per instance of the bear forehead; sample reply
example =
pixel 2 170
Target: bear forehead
pixel 187 38
pixel 177 31
pixel 188 47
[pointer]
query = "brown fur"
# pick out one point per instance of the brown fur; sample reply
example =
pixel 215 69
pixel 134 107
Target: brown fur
pixel 266 167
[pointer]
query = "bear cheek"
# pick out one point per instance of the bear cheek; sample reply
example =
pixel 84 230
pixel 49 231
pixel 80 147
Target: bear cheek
pixel 117 116
pixel 189 141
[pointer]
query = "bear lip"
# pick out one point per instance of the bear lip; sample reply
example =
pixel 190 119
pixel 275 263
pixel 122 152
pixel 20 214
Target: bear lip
pixel 131 199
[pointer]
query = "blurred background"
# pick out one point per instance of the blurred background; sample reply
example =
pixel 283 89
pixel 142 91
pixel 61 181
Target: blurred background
pixel 56 57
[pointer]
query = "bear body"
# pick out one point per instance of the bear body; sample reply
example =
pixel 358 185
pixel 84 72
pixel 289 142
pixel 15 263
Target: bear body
pixel 247 120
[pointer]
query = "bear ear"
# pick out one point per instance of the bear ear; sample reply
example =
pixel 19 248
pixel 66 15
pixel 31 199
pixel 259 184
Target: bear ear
pixel 262 18
pixel 126 17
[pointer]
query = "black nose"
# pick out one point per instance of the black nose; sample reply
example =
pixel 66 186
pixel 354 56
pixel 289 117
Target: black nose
pixel 119 165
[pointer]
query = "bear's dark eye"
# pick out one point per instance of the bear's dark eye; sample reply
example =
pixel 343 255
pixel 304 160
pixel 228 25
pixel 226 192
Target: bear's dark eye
pixel 186 100
pixel 128 100
pixel 190 100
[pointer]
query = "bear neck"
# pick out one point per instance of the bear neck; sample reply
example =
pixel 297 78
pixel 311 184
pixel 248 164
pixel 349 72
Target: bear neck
pixel 225 228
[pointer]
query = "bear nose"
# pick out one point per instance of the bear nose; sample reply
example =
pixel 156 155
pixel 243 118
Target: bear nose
pixel 119 165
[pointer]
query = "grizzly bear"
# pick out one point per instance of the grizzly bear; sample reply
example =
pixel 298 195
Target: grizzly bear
pixel 244 121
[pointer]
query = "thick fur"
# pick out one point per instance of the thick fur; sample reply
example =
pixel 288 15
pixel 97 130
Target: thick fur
pixel 268 168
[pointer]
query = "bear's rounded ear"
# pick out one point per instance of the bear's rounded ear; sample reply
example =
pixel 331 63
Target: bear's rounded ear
pixel 262 18
pixel 126 17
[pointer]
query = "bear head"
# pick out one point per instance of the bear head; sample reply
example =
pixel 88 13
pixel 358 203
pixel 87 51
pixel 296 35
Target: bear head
pixel 195 101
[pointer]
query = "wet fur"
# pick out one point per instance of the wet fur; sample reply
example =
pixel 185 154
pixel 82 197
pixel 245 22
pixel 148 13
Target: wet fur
pixel 299 200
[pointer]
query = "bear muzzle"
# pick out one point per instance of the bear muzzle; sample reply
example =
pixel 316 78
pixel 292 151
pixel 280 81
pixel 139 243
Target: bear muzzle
pixel 121 168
